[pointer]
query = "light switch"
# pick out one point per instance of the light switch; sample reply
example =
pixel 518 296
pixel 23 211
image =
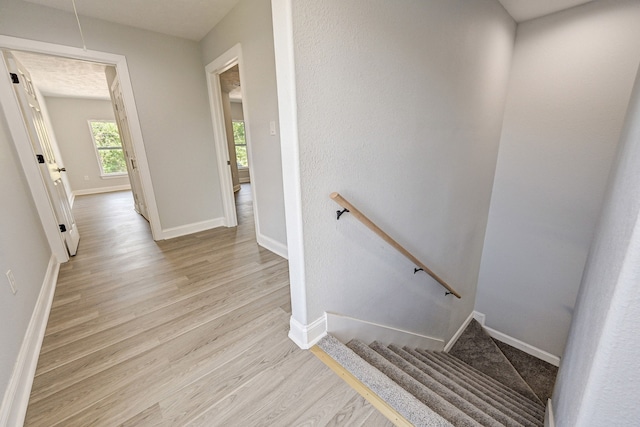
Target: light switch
pixel 272 127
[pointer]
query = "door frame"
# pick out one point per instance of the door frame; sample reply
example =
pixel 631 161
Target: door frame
pixel 213 70
pixel 20 135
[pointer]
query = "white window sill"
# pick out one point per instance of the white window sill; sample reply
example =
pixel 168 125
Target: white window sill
pixel 114 176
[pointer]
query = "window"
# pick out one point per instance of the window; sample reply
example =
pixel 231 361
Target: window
pixel 241 144
pixel 106 140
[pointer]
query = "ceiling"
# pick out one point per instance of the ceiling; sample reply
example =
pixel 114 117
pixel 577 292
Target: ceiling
pixel 56 76
pixel 191 19
pixel 523 10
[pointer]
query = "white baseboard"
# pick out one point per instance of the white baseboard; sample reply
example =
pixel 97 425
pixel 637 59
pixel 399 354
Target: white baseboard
pixel 183 230
pixel 99 190
pixel 273 245
pixel 306 336
pixel 459 332
pixel 520 345
pixel 346 328
pixel 16 397
pixel 549 418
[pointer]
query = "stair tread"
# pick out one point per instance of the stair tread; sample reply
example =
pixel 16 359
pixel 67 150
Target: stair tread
pixel 399 399
pixel 431 399
pixel 501 403
pixel 444 389
pixel 452 392
pixel 477 349
pixel 535 408
pixel 540 375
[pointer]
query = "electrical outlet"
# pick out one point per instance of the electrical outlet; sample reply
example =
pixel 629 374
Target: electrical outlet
pixel 86 177
pixel 12 281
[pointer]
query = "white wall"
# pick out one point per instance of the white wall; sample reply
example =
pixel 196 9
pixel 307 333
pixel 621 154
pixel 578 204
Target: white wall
pixel 249 23
pixel 69 118
pixel 599 380
pixel 570 84
pixel 400 110
pixel 169 85
pixel 23 249
pixel 236 111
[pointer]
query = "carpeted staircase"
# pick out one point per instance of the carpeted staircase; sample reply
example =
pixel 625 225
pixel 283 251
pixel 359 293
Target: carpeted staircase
pixel 474 384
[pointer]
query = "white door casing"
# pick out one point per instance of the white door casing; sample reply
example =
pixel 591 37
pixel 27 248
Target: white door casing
pixel 20 137
pixel 43 152
pixel 213 70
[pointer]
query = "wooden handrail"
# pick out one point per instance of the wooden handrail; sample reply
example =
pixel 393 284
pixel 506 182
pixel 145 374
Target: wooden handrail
pixel 366 221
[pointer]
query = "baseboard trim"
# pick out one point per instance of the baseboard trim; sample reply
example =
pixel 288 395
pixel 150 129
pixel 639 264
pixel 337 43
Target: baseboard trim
pixel 273 245
pixel 100 190
pixel 459 332
pixel 520 345
pixel 306 336
pixel 345 328
pixel 183 230
pixel 549 418
pixel 16 397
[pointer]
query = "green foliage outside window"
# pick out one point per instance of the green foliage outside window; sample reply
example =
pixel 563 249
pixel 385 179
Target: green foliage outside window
pixel 240 141
pixel 109 147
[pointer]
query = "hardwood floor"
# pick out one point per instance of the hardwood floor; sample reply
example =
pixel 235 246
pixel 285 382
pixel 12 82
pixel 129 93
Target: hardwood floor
pixel 188 331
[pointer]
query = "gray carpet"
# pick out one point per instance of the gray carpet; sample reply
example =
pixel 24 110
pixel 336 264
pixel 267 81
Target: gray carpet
pixel 540 375
pixel 398 398
pixel 480 382
pixel 477 349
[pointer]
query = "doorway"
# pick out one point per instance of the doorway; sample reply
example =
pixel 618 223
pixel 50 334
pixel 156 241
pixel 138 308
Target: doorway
pixel 228 101
pixel 21 137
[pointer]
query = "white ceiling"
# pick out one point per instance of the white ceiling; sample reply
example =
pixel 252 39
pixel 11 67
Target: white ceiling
pixel 190 19
pixel 523 10
pixel 193 19
pixel 56 76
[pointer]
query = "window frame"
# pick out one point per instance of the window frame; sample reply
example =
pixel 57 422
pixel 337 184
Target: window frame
pixel 96 149
pixel 241 145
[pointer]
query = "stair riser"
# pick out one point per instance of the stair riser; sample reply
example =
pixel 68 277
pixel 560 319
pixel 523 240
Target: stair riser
pixel 535 408
pixel 428 397
pixel 489 400
pixel 454 394
pixel 496 390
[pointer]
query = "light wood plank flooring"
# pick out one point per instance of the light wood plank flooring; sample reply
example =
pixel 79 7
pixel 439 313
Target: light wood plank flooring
pixel 189 331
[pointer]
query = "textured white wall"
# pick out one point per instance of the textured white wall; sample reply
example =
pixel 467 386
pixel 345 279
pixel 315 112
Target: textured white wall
pixel 23 249
pixel 599 380
pixel 69 118
pixel 570 84
pixel 400 110
pixel 249 23
pixel 169 85
pixel 236 111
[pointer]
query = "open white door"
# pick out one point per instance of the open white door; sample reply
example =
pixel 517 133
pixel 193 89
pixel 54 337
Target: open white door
pixel 127 144
pixel 43 152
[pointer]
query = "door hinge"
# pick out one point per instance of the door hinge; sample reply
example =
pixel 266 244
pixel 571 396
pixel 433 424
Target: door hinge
pixel 228 162
pixel 14 78
pixel 40 158
pixel 63 227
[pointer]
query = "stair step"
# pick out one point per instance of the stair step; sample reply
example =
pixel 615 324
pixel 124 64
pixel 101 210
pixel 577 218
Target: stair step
pixel 395 396
pixel 455 365
pixel 468 388
pixel 427 396
pixel 498 407
pixel 540 375
pixel 477 349
pixel 451 392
